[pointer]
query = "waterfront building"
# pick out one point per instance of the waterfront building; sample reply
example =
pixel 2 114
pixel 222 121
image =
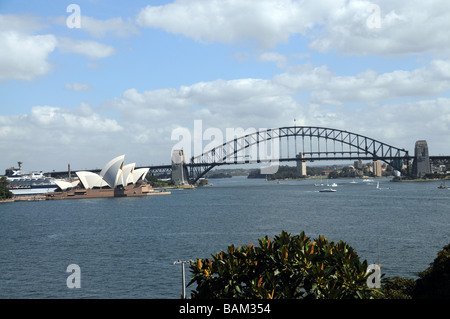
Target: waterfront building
pixel 358 164
pixel 114 180
pixel 377 169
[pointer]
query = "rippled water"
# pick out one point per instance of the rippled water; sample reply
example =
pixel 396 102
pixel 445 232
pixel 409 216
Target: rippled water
pixel 125 247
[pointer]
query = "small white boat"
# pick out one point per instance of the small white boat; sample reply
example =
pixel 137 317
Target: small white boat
pixel 327 190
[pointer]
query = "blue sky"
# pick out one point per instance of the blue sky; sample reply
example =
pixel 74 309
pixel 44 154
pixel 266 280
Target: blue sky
pixel 135 71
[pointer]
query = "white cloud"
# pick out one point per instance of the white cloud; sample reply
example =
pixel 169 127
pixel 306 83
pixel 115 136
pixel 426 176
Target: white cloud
pixel 246 101
pixel 266 22
pixel 327 87
pixel 80 135
pixel 91 49
pixel 20 23
pixel 25 56
pixel 402 124
pixel 411 27
pixel 220 103
pixel 55 118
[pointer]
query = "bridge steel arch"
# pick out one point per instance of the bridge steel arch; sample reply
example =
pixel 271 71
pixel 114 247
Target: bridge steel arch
pixel 315 143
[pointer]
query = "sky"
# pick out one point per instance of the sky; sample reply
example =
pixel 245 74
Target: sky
pixel 82 82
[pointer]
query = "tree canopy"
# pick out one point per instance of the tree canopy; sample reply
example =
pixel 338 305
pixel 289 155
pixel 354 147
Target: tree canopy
pixel 287 266
pixel 5 193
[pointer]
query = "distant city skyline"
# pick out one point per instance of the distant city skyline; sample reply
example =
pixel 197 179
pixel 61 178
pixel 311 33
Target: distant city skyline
pixel 85 81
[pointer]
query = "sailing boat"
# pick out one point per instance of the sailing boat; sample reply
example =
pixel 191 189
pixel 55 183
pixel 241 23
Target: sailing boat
pixel 442 186
pixel 380 188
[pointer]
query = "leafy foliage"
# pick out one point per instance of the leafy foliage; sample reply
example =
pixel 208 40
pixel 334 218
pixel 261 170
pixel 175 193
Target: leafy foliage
pixel 156 182
pixel 434 282
pixel 4 191
pixel 398 288
pixel 285 267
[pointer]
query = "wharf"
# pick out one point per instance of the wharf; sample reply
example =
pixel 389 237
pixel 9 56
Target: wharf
pixel 24 198
pixel 6 200
pixel 30 198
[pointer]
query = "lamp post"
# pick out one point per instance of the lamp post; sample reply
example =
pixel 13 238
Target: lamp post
pixel 182 262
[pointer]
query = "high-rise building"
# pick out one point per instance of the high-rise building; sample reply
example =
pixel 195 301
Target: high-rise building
pixel 358 164
pixel 377 169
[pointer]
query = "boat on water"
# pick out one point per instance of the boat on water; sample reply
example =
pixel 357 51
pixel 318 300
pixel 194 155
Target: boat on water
pixel 327 190
pixel 328 184
pixel 442 186
pixel 29 184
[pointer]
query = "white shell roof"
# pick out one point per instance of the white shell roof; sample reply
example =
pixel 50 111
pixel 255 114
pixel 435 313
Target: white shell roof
pixel 65 185
pixel 127 174
pixel 113 174
pixel 112 171
pixel 90 180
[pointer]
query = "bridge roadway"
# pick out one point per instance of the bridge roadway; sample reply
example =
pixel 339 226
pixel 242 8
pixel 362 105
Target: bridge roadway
pixel 166 169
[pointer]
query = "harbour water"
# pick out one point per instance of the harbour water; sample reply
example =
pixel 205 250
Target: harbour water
pixel 126 247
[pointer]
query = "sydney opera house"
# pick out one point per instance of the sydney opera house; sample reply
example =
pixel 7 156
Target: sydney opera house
pixel 114 180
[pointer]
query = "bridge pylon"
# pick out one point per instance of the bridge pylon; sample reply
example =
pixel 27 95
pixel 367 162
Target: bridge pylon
pixel 179 169
pixel 421 163
pixel 301 164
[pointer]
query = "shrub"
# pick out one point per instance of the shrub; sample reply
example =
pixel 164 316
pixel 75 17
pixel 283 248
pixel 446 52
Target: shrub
pixel 285 267
pixel 434 282
pixel 5 193
pixel 398 288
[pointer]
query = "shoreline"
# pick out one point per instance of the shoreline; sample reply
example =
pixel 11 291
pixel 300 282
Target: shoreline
pixel 400 180
pixel 43 197
pixel 393 179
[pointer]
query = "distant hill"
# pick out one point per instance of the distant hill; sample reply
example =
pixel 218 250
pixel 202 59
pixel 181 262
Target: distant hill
pixel 284 172
pixel 228 172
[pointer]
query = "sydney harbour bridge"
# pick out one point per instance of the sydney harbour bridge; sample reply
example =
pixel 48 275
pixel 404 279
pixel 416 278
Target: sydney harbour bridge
pixel 298 144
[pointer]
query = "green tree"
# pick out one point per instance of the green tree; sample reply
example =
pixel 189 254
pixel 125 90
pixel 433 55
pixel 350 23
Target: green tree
pixel 5 193
pixel 156 182
pixel 434 282
pixel 285 267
